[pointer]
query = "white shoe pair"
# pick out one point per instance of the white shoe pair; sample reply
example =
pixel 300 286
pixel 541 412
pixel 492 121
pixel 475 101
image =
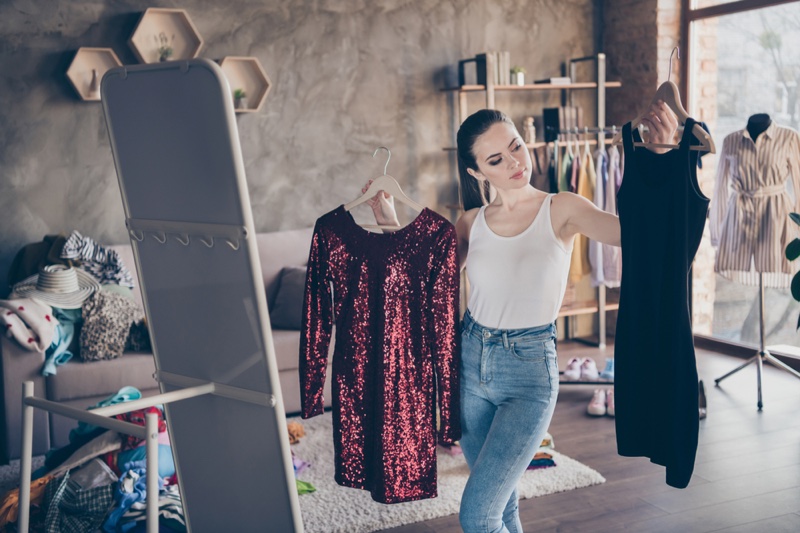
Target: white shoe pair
pixel 581 369
pixel 602 403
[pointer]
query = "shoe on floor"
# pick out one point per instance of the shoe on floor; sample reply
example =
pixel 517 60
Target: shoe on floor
pixel 610 408
pixel 597 405
pixel 608 371
pixel 589 370
pixel 573 370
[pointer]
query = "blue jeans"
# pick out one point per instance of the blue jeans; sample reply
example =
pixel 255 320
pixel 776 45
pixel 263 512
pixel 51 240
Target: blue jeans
pixel 509 386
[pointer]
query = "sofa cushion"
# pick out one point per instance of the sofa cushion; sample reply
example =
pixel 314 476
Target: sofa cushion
pixel 102 378
pixel 279 249
pixel 287 311
pixel 287 348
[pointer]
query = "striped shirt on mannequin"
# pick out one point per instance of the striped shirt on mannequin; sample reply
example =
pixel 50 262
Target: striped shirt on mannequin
pixel 757 186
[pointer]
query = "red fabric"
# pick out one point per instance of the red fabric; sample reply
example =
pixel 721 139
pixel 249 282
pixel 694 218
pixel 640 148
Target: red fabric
pixel 395 308
pixel 138 417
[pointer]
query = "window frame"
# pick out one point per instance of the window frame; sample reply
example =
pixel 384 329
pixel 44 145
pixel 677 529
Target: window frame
pixel 688 16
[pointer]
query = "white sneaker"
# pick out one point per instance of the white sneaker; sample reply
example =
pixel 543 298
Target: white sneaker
pixel 589 370
pixel 610 408
pixel 573 370
pixel 597 405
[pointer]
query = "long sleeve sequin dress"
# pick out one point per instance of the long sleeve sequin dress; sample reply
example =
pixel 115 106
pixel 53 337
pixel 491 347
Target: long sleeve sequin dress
pixel 393 299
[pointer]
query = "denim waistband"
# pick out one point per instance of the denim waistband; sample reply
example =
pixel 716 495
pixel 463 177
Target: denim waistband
pixel 504 336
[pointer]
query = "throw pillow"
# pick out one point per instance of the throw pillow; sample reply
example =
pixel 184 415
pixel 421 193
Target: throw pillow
pixel 107 319
pixel 287 312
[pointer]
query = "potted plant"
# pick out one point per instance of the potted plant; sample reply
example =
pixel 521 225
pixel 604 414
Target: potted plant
pixel 517 75
pixel 240 98
pixel 792 253
pixel 164 46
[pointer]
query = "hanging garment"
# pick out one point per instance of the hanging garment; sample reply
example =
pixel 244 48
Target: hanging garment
pixel 616 167
pixel 596 248
pixel 612 255
pixel 540 178
pixel 393 299
pixel 579 264
pixel 606 259
pixel 552 171
pixel 662 214
pixel 575 170
pixel 565 172
pixel 751 205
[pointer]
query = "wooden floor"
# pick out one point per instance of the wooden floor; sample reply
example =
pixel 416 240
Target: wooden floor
pixel 746 477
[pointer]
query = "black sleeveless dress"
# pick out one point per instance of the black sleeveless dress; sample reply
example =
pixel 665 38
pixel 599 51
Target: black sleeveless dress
pixel 662 213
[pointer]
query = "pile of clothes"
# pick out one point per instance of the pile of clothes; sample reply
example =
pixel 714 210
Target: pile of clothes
pixel 99 480
pixel 70 295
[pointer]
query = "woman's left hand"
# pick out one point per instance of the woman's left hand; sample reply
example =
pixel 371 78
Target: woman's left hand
pixel 662 125
pixel 382 205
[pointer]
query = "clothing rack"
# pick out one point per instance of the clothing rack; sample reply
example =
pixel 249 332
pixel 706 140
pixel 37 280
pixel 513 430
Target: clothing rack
pixel 602 306
pixel 608 130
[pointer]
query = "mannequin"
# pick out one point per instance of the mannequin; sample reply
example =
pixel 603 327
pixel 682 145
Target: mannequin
pixel 751 236
pixel 757 124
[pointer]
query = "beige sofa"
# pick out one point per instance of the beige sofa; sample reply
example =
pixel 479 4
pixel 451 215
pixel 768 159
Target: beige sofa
pixel 82 385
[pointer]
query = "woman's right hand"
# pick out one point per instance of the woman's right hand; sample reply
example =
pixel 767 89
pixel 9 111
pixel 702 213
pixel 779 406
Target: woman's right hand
pixel 382 205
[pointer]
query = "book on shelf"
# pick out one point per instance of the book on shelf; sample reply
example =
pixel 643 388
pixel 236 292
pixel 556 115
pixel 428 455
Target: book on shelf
pixel 488 65
pixel 557 119
pixel 556 80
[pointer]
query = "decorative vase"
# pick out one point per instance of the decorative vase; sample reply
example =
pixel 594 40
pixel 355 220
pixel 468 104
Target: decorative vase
pixel 240 103
pixel 94 86
pixel 518 78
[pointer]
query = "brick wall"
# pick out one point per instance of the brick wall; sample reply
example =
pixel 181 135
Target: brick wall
pixel 704 107
pixel 630 41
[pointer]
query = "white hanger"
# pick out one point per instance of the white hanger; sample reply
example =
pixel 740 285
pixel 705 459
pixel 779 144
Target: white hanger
pixel 387 184
pixel 568 137
pixel 668 92
pixel 587 151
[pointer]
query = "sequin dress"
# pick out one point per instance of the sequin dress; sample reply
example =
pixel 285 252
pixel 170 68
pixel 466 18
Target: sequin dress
pixel 393 299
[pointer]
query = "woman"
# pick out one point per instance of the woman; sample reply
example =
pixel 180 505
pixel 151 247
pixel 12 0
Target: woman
pixel 517 253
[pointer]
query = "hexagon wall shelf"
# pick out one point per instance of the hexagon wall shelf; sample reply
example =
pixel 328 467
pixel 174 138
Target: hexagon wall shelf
pixel 248 74
pixel 87 69
pixel 161 28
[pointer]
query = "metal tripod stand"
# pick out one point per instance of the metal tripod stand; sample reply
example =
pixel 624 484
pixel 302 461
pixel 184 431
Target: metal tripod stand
pixel 762 354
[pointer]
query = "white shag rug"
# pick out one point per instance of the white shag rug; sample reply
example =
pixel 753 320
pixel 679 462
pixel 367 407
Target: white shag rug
pixel 336 509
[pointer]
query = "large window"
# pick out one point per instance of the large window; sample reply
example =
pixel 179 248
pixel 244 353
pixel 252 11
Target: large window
pixel 741 63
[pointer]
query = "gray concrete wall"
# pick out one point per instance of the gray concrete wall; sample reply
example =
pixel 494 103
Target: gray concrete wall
pixel 347 77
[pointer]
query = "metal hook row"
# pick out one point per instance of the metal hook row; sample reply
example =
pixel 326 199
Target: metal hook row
pixel 183 238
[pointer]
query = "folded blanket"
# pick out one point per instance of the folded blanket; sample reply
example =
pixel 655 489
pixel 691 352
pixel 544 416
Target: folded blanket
pixel 29 322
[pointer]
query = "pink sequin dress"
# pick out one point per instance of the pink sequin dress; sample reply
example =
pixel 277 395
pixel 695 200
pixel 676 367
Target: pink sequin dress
pixel 393 298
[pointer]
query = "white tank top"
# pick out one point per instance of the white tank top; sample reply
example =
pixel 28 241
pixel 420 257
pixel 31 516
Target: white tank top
pixel 516 282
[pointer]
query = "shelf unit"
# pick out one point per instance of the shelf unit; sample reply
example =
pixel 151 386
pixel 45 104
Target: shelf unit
pixel 87 69
pixel 165 27
pixel 247 73
pixel 599 306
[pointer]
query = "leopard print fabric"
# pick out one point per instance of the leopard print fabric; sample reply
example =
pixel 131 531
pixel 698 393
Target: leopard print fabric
pixel 107 320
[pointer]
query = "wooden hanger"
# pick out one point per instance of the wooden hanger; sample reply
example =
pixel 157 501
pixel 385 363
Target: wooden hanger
pixel 387 184
pixel 668 92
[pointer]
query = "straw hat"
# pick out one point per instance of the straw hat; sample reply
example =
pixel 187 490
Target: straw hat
pixel 58 286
